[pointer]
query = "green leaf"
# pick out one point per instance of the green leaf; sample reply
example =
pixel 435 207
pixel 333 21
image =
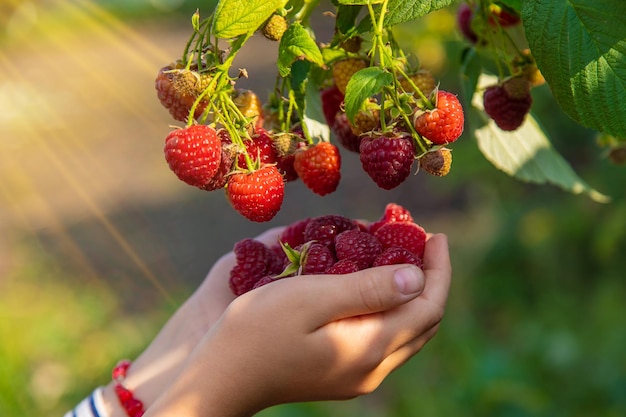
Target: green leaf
pixel 400 11
pixel 297 44
pixel 237 17
pixel 308 100
pixel 471 69
pixel 346 18
pixel 314 115
pixel 195 21
pixel 299 80
pixel 364 84
pixel 580 48
pixel 526 153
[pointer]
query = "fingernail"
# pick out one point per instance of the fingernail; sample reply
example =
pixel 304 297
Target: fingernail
pixel 408 280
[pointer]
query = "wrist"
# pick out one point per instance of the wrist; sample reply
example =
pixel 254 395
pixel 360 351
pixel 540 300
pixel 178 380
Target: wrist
pixel 110 402
pixel 160 363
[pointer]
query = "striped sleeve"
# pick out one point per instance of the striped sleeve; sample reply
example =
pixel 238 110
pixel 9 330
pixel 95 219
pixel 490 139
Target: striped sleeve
pixel 92 406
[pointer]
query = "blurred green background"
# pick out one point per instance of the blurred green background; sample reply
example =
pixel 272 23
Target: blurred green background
pixel 99 242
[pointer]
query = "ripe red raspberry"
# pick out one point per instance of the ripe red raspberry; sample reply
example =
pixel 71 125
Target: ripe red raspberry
pixel 360 247
pixel 437 162
pixel 331 99
pixel 345 135
pixel 464 18
pixel 178 89
pixel 323 229
pixel 387 160
pixel 221 177
pixel 315 258
pixel 344 69
pixel 252 260
pixel 318 166
pixel 257 195
pixel 409 236
pixel 268 279
pixel 395 256
pixel 393 213
pixel 259 148
pixel 285 144
pixel 502 16
pixel 293 235
pixel 343 266
pixel 277 263
pixel 286 169
pixel 193 154
pixel 444 124
pixel 508 107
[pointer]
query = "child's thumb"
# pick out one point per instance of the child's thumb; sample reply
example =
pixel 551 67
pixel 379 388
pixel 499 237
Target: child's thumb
pixel 364 292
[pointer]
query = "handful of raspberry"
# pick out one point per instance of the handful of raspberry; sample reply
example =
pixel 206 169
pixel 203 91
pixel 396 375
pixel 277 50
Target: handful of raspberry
pixel 330 244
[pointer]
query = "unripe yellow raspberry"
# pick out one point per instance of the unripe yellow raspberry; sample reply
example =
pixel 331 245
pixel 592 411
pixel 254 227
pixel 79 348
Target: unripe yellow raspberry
pixel 344 69
pixel 275 27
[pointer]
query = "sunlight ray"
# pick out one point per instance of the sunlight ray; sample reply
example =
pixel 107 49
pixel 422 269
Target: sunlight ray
pixel 70 166
pixel 98 214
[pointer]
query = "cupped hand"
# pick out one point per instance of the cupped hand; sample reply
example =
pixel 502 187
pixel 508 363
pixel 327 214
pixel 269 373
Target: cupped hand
pixel 313 338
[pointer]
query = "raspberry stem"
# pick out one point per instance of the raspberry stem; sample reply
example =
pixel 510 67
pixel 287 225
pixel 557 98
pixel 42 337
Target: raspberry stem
pixel 294 104
pixel 425 100
pixel 306 11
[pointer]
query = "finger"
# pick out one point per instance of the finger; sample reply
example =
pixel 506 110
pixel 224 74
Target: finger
pixel 270 236
pixel 333 297
pixel 412 319
pixel 405 352
pixel 437 270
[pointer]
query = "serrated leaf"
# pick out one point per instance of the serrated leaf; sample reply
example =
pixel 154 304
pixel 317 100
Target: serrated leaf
pixel 400 11
pixel 364 84
pixel 237 17
pixel 297 44
pixel 526 153
pixel 580 48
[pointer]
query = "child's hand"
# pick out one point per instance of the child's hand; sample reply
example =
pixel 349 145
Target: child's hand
pixel 312 338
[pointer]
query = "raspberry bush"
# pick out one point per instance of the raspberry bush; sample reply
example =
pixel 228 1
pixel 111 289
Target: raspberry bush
pixel 361 92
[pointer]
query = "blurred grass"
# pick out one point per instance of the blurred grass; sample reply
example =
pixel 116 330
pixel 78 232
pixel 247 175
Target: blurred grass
pixel 535 319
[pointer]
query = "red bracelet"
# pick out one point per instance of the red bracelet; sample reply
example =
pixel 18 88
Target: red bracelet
pixel 132 406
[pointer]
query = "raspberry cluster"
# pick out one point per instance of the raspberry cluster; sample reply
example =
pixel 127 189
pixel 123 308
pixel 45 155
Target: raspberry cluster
pixel 248 149
pixel 330 244
pixel 508 102
pixel 388 153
